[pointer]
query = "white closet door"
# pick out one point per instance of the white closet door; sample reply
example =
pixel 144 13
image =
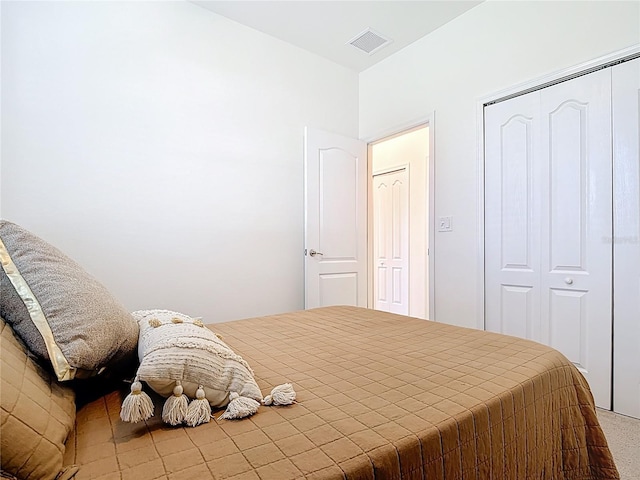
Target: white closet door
pixel 547 218
pixel 626 296
pixel 512 218
pixel 577 225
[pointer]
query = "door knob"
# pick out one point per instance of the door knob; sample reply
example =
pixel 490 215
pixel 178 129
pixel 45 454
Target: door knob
pixel 568 280
pixel 313 253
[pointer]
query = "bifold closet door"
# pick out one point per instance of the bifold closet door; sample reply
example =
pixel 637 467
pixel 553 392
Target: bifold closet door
pixel 548 202
pixel 626 296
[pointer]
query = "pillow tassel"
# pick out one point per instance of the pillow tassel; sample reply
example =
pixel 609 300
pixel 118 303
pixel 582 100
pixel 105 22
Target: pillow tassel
pixel 175 407
pixel 199 410
pixel 239 407
pixel 137 406
pixel 281 395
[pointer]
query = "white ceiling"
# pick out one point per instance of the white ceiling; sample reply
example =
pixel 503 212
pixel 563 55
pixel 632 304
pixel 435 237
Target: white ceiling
pixel 325 27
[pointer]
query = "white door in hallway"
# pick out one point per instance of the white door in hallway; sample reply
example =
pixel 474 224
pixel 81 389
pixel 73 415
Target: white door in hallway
pixel 335 220
pixel 626 292
pixel 391 241
pixel 548 213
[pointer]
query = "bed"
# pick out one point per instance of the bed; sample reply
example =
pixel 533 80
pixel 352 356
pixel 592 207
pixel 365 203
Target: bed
pixel 380 396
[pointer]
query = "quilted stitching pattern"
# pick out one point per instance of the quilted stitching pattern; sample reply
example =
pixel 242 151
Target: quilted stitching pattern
pixel 37 413
pixel 380 396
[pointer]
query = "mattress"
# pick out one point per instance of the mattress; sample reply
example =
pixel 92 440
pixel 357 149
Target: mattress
pixel 380 396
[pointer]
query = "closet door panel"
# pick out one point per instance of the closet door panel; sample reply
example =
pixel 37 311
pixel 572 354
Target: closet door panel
pixel 576 222
pixel 567 175
pixel 512 257
pixel 626 245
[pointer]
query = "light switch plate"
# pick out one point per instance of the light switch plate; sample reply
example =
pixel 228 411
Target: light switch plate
pixel 445 224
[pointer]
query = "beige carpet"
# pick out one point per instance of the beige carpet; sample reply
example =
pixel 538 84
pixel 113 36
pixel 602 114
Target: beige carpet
pixel 623 435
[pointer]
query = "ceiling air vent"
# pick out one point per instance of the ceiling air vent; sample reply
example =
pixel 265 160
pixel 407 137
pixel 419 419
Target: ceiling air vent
pixel 369 41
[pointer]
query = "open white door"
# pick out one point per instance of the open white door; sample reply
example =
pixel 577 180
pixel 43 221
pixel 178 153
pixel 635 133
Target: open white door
pixel 335 220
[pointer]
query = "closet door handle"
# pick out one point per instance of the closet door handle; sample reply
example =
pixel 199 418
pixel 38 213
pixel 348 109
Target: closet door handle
pixel 568 280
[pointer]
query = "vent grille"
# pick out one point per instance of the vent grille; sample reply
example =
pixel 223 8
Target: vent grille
pixel 369 41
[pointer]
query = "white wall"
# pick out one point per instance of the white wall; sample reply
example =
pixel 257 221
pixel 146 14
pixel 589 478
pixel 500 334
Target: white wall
pixel 411 149
pixel 491 47
pixel 160 145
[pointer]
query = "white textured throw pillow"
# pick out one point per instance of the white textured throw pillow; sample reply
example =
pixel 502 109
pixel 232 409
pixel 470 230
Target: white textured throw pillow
pixel 182 359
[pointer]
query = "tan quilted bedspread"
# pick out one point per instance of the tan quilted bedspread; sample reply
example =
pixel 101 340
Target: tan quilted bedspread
pixel 379 396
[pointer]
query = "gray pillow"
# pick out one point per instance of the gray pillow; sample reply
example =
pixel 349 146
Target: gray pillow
pixel 60 312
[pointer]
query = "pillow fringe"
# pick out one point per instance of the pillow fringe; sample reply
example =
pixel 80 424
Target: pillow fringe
pixel 239 407
pixel 175 407
pixel 137 406
pixel 199 410
pixel 281 395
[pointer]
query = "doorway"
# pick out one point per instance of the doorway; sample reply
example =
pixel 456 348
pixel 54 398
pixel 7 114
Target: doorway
pixel 400 219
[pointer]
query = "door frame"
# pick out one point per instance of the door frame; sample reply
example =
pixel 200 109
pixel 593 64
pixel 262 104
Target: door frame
pixel 394 131
pixel 505 94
